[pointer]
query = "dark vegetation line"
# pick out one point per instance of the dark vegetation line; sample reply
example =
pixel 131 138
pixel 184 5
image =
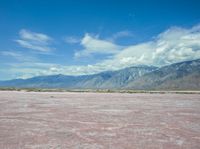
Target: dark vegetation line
pixel 101 90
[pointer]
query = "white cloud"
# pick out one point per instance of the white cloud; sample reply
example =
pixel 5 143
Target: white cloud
pixel 177 44
pixel 10 53
pixel 35 41
pixel 28 35
pixel 71 40
pixel 173 45
pixel 121 34
pixel 94 45
pixel 18 56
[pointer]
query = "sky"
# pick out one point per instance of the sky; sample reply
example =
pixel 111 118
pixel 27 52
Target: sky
pixel 78 37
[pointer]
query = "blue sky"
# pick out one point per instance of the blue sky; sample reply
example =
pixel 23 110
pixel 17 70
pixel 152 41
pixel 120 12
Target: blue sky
pixel 76 37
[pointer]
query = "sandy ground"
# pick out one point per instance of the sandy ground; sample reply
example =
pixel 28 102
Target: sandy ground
pixel 31 120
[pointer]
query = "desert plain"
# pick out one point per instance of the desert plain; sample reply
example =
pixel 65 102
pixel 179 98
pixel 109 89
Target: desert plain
pixel 69 120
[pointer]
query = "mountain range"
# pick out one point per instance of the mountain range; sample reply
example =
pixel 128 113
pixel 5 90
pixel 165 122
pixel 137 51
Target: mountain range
pixel 181 76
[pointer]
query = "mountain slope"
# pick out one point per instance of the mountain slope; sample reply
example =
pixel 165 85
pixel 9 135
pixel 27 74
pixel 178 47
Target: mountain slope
pixel 120 78
pixel 104 80
pixel 183 75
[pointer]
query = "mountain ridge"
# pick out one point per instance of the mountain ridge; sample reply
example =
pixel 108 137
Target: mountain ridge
pixel 183 75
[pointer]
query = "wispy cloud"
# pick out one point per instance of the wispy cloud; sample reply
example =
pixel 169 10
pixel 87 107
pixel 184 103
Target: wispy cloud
pixel 121 34
pixel 19 56
pixel 28 35
pixel 35 41
pixel 72 40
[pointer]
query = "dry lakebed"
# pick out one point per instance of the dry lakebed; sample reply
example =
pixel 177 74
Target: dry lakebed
pixel 74 120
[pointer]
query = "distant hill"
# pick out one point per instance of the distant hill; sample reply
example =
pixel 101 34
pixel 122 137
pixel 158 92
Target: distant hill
pixel 183 75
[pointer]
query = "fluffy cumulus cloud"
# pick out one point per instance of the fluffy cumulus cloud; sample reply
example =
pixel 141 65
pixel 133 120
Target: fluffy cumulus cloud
pixel 94 45
pixel 177 44
pixel 173 45
pixel 35 41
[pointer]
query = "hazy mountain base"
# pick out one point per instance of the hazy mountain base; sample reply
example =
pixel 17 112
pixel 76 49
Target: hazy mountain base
pixel 179 76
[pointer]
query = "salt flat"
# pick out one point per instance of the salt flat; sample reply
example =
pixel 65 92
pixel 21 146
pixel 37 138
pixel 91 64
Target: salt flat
pixel 56 120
